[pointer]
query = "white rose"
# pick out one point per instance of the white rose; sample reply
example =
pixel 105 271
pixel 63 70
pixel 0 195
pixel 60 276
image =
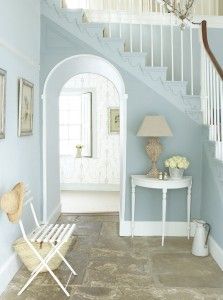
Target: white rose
pixel 167 164
pixel 173 165
pixel 181 165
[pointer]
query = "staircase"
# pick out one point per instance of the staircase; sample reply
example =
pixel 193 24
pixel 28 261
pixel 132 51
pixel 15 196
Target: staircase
pixel 120 51
pixel 108 37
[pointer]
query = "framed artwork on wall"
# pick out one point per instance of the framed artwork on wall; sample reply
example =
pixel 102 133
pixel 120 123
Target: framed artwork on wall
pixel 2 102
pixel 25 113
pixel 114 120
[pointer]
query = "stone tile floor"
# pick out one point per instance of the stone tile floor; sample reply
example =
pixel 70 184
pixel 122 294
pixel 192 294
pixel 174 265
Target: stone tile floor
pixel 113 267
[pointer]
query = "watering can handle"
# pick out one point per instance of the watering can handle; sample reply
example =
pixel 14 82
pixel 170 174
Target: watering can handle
pixel 209 229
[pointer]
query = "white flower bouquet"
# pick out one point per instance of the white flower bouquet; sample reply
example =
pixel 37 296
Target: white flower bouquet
pixel 177 165
pixel 178 162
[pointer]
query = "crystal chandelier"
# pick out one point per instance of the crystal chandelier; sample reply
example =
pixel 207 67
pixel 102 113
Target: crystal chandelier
pixel 181 8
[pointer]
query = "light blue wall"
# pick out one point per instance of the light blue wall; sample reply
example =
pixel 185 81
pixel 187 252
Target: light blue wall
pixel 212 200
pixel 19 156
pixel 57 45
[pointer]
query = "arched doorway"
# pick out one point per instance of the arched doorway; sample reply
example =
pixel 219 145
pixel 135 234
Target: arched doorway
pixel 56 79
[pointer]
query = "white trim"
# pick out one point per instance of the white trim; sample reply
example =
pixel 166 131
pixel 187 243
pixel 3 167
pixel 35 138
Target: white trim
pixel 97 187
pixel 150 228
pixel 79 202
pixel 100 16
pixel 87 63
pixel 8 271
pixel 216 252
pixel 19 54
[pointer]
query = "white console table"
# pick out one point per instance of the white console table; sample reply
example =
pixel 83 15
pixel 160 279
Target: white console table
pixel 164 185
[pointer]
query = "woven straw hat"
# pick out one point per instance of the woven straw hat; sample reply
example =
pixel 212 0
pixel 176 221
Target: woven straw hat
pixel 12 202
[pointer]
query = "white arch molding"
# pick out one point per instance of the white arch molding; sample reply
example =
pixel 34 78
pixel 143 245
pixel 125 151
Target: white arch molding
pixel 55 80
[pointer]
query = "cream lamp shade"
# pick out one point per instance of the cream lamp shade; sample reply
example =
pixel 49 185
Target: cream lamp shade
pixel 154 126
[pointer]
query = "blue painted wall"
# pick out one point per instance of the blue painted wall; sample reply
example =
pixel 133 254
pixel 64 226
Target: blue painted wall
pixel 57 45
pixel 19 156
pixel 212 200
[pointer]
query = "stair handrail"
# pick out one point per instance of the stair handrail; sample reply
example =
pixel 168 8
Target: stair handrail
pixel 208 49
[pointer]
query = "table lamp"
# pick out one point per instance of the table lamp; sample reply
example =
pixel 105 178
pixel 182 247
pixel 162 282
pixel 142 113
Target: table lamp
pixel 154 127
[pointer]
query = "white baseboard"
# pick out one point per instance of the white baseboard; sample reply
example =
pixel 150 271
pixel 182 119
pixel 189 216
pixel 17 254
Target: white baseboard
pixel 148 228
pixel 216 252
pixel 55 214
pixel 8 270
pixel 89 202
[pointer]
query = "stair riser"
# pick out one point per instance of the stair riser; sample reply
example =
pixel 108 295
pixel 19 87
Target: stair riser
pixel 177 88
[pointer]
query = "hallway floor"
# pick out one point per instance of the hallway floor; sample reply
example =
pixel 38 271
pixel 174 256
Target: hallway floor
pixel 113 267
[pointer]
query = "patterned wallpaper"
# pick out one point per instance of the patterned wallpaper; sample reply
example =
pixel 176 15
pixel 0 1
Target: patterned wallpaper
pixel 103 167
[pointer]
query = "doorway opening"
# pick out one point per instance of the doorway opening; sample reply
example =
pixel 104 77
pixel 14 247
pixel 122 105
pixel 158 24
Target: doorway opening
pixel 89 139
pixel 54 83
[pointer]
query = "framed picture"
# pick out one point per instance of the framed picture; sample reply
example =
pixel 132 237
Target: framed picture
pixel 25 117
pixel 114 120
pixel 2 102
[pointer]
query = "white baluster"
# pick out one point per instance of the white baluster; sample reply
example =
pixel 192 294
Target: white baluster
pixel 140 25
pixel 120 18
pixel 216 7
pixel 218 115
pixel 172 43
pixel 209 7
pixel 208 91
pixel 221 122
pixel 152 45
pixel 182 53
pixel 211 100
pixel 214 106
pixel 202 7
pixel 161 34
pixel 191 60
pixel 109 20
pixel 150 5
pixel 156 7
pixel 130 25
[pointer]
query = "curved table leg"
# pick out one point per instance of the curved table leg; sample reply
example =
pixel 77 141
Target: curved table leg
pixel 163 214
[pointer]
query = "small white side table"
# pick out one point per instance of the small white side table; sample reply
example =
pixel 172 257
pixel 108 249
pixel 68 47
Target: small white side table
pixel 164 185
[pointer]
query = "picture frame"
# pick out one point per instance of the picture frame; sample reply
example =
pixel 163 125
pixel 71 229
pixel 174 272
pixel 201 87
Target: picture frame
pixel 114 120
pixel 25 107
pixel 3 75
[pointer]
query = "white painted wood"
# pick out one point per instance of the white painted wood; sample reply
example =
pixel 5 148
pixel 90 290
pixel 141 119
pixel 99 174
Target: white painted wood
pixel 84 64
pixel 216 251
pixel 182 53
pixel 90 202
pixel 97 187
pixel 164 186
pixel 172 46
pixel 191 61
pixel 150 228
pixel 152 45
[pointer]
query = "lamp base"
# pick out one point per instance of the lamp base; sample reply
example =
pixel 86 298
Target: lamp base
pixel 154 149
pixel 153 172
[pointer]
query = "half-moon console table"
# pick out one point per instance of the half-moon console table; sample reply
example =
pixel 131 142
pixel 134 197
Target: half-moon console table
pixel 164 185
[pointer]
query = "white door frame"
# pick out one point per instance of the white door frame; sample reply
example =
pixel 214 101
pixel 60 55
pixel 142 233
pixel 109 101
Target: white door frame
pixel 54 82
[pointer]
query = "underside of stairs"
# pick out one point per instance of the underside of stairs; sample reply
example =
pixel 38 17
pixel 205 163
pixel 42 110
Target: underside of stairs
pixel 114 50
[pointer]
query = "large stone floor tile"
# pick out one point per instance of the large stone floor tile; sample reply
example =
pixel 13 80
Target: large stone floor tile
pixel 185 264
pixel 114 279
pixel 110 229
pixel 193 281
pixel 88 228
pixel 98 218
